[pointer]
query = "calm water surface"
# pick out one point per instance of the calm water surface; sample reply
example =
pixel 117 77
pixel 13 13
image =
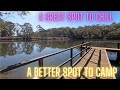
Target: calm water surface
pixel 16 52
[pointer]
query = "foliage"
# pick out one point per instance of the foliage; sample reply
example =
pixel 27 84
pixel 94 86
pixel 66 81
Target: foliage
pixel 9 29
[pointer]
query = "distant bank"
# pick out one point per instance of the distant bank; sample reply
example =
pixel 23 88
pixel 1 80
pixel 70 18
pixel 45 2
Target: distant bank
pixel 32 38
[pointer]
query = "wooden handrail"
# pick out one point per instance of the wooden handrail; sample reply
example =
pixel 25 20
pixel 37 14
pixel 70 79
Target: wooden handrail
pixel 61 77
pixel 72 58
pixel 11 67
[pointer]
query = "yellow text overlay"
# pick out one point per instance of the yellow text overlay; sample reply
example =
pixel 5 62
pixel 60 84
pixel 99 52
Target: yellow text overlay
pixel 104 72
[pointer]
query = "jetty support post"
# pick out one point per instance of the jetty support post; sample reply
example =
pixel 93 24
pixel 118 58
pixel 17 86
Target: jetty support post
pixel 71 56
pixel 118 45
pixel 40 62
pixel 86 47
pixel 81 50
pixel 118 56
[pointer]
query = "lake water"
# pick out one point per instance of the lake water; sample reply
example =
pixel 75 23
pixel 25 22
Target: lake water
pixel 16 52
pixel 114 62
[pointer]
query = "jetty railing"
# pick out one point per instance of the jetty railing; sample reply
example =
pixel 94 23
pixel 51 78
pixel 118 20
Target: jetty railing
pixel 87 47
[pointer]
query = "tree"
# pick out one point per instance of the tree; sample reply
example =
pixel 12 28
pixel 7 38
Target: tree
pixel 20 13
pixel 41 31
pixel 1 26
pixel 8 26
pixel 27 30
pixel 39 28
pixel 17 29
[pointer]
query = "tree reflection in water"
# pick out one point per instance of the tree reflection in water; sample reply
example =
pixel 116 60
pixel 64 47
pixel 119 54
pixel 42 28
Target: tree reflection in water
pixel 12 48
pixel 21 51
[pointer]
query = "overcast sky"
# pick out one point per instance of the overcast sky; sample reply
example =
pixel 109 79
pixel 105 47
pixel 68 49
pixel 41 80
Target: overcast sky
pixel 33 19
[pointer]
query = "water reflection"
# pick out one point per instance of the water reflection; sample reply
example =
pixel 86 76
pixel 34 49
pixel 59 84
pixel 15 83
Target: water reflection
pixel 114 58
pixel 115 61
pixel 112 55
pixel 15 52
pixel 13 48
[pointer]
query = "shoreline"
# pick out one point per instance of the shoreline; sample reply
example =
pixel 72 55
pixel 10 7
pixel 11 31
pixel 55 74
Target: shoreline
pixel 47 39
pixel 32 38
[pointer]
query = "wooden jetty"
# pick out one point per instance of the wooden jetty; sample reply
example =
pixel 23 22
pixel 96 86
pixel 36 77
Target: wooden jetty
pixel 96 57
pixel 92 57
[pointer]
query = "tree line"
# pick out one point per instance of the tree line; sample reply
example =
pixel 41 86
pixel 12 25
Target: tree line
pixel 10 29
pixel 111 31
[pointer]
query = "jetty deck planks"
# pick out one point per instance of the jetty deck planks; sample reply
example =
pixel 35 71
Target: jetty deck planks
pixel 91 59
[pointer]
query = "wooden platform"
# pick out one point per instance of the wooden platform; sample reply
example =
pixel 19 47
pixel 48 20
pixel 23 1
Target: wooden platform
pixel 111 49
pixel 93 59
